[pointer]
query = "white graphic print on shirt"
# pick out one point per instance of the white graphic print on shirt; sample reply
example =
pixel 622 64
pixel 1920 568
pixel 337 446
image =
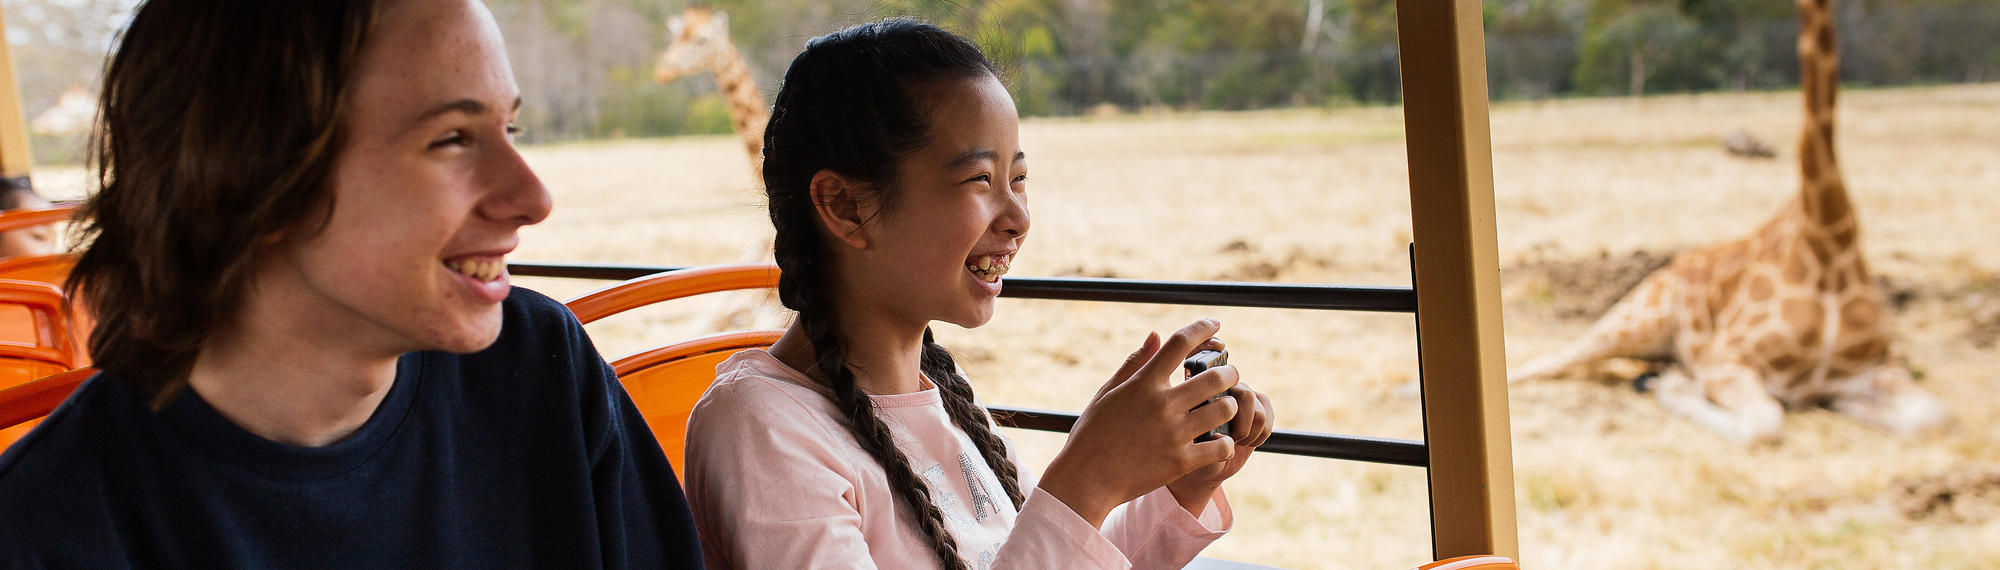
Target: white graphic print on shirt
pixel 981 487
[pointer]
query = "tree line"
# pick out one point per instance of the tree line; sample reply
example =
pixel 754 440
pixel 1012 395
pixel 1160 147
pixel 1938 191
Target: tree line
pixel 585 65
pixel 1073 56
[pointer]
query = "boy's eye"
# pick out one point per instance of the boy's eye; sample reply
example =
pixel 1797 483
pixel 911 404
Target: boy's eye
pixel 1020 179
pixel 979 178
pixel 514 130
pixel 450 139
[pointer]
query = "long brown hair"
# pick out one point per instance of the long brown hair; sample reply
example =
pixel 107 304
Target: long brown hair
pixel 217 129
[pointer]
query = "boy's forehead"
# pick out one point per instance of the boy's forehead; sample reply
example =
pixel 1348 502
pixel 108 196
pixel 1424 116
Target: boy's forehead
pixel 422 52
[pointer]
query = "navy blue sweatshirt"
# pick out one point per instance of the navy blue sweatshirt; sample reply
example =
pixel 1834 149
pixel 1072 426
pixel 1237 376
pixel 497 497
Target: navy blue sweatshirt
pixel 526 454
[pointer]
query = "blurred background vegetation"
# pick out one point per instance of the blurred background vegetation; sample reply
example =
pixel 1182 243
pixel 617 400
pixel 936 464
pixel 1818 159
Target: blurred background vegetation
pixel 585 65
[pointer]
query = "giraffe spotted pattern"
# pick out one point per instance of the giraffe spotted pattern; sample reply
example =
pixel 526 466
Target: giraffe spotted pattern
pixel 1786 317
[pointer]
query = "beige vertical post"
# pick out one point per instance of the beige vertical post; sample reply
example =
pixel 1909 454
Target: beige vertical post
pixel 1443 59
pixel 16 160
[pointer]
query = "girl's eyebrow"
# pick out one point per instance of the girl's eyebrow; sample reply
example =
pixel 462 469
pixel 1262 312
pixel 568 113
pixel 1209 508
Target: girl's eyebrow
pixel 975 156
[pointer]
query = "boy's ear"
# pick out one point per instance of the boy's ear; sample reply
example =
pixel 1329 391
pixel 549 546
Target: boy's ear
pixel 836 200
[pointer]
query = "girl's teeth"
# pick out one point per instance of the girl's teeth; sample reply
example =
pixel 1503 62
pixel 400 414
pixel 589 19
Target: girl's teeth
pixel 988 268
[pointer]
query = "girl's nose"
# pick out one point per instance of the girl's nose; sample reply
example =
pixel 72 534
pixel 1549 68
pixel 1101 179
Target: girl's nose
pixel 1014 218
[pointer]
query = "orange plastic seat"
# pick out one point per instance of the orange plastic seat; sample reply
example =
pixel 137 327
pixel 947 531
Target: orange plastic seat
pixel 666 382
pixel 23 406
pixel 52 269
pixel 1478 562
pixel 17 219
pixel 35 342
pixel 34 327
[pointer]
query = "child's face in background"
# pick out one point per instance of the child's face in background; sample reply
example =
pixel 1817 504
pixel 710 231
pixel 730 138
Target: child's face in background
pixel 959 213
pixel 37 240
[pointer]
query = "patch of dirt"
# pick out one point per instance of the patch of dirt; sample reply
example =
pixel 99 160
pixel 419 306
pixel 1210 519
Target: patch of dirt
pixel 1081 271
pixel 1984 314
pixel 1581 288
pixel 1898 292
pixel 1251 264
pixel 1971 292
pixel 1966 496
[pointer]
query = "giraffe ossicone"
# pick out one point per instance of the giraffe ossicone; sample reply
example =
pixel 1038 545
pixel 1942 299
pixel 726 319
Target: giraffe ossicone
pixel 699 43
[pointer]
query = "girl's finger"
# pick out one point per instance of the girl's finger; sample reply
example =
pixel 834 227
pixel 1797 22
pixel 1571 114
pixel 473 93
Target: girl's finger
pixel 1267 422
pixel 1245 422
pixel 1207 417
pixel 1205 453
pixel 1208 384
pixel 1180 343
pixel 1138 358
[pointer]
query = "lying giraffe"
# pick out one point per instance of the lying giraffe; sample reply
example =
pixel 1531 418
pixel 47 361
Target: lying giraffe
pixel 700 43
pixel 1785 317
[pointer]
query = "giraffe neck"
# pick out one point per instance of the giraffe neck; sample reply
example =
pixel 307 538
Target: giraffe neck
pixel 1822 192
pixel 745 103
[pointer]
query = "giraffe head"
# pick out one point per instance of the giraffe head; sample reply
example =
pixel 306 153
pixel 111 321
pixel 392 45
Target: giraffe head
pixel 698 37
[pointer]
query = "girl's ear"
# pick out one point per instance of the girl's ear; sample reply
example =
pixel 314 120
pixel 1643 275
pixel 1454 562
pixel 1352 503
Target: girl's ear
pixel 837 201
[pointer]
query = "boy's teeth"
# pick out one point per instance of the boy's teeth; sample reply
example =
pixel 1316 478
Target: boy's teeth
pixel 478 269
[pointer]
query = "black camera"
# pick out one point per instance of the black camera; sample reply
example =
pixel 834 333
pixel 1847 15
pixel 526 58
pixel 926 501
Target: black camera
pixel 1201 361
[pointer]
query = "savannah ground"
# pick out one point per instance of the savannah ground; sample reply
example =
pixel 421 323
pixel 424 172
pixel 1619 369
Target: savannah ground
pixel 1590 194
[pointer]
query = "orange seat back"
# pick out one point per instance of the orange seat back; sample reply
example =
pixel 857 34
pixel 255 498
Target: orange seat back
pixel 33 326
pixel 666 382
pixel 1474 562
pixel 24 406
pixel 52 269
pixel 17 219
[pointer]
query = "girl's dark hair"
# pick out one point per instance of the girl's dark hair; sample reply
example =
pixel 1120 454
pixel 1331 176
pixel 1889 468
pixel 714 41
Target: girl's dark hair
pixel 854 102
pixel 217 128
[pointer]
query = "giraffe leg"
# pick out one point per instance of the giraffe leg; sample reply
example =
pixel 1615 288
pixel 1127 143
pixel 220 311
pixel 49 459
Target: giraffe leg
pixel 1888 398
pixel 1728 400
pixel 1641 324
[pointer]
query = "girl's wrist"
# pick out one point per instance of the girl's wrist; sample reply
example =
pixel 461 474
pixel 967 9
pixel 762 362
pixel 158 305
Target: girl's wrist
pixel 1193 497
pixel 1077 493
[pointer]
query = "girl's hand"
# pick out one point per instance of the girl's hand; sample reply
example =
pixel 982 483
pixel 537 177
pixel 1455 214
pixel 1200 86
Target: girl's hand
pixel 1253 425
pixel 1139 433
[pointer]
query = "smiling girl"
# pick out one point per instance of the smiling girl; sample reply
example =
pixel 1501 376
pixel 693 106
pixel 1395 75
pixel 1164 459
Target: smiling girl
pixel 898 190
pixel 310 354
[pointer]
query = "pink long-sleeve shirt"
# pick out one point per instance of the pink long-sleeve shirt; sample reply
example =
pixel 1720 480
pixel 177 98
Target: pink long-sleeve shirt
pixel 776 481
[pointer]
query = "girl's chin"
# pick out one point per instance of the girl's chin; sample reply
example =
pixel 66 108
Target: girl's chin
pixel 975 318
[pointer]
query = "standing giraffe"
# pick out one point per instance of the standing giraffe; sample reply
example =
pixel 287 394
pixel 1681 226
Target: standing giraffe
pixel 700 42
pixel 1785 317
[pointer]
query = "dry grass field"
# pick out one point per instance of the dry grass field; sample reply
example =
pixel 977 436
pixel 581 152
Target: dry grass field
pixel 1590 193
